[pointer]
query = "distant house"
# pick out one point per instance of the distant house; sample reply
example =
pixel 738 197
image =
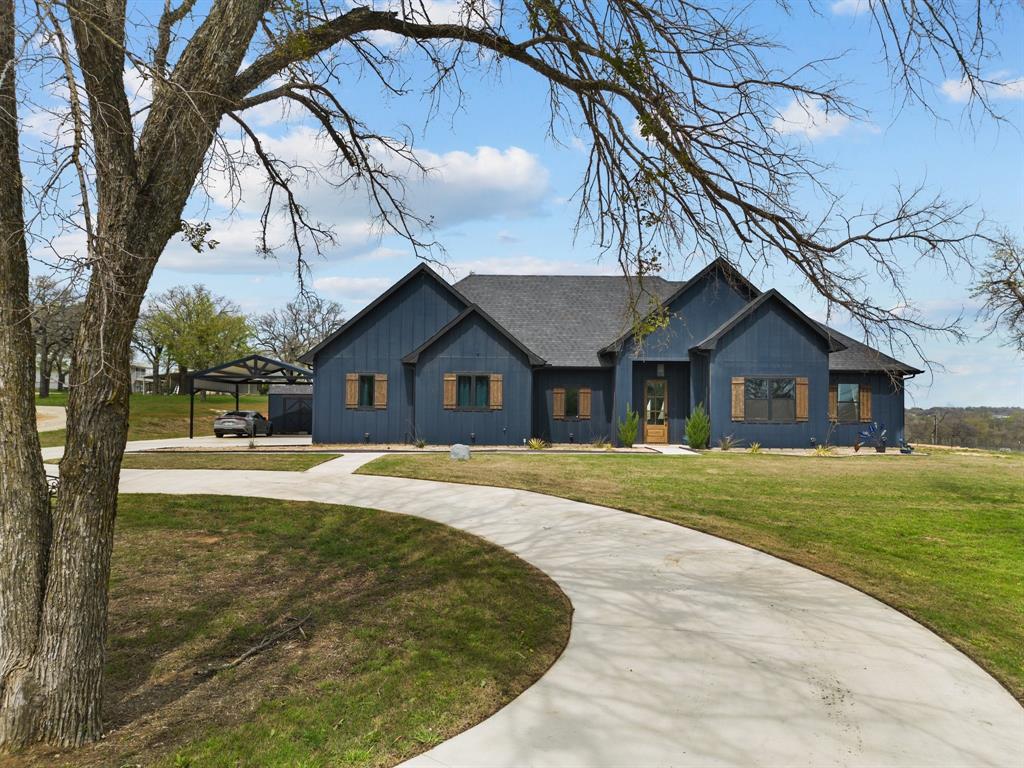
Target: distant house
pixel 496 359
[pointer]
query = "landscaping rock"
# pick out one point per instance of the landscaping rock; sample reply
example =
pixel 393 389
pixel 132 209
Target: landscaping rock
pixel 460 452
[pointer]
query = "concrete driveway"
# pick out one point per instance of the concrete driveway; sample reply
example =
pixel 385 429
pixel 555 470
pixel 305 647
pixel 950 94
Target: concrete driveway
pixel 686 650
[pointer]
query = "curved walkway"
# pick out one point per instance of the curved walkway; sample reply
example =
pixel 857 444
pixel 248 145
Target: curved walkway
pixel 51 417
pixel 685 649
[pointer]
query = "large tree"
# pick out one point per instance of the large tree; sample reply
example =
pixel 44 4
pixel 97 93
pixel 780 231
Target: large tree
pixel 287 332
pixel 198 328
pixel 705 170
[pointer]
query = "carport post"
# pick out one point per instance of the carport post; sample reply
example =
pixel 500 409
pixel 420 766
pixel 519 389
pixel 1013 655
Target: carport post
pixel 191 405
pixel 236 397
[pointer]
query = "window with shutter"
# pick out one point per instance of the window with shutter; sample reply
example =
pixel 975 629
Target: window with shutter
pixel 558 403
pixel 801 398
pixel 584 403
pixel 497 392
pixel 737 398
pixel 865 404
pixel 380 391
pixel 449 390
pixel 351 390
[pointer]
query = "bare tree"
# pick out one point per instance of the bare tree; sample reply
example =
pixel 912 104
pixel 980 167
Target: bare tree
pixel 677 102
pixel 1000 287
pixel 288 332
pixel 56 308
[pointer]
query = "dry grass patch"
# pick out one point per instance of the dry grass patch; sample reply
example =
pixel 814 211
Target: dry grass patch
pixel 272 462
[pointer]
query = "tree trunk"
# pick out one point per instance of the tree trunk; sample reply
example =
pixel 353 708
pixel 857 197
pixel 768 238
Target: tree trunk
pixel 24 502
pixel 45 364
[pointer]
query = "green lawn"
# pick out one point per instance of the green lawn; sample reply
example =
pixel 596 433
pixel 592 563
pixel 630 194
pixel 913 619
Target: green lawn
pixel 153 417
pixel 416 632
pixel 274 462
pixel 940 537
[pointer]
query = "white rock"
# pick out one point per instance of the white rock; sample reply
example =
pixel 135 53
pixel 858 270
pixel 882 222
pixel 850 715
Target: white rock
pixel 460 452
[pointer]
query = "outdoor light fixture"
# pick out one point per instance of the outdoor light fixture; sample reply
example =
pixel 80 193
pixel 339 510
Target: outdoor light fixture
pixel 472 437
pixel 366 437
pixel 661 370
pixel 571 438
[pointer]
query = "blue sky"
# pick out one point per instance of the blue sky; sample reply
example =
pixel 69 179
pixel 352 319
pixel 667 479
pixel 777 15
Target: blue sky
pixel 501 192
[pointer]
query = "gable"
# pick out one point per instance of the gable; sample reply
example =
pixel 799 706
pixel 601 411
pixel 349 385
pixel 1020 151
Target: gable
pixel 399 320
pixel 704 304
pixel 770 332
pixel 473 339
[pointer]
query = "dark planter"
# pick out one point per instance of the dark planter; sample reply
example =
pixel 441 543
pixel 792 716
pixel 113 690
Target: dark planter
pixel 880 448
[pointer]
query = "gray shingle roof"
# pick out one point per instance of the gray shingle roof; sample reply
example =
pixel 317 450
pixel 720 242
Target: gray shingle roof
pixel 860 357
pixel 565 319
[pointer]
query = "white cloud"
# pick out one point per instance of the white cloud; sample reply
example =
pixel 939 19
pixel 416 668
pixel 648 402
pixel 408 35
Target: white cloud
pixel 850 7
pixel 1002 87
pixel 811 119
pixel 459 187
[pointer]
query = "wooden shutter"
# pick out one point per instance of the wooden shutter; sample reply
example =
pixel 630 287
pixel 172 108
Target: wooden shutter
pixel 497 391
pixel 833 402
pixel 558 403
pixel 737 398
pixel 801 398
pixel 584 403
pixel 449 390
pixel 351 390
pixel 380 390
pixel 865 403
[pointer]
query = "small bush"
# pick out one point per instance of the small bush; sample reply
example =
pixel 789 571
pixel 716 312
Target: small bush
pixel 629 428
pixel 755 447
pixel 698 428
pixel 537 444
pixel 602 443
pixel 824 450
pixel 728 442
pixel 420 443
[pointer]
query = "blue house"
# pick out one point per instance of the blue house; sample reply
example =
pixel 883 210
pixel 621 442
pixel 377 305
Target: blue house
pixel 497 359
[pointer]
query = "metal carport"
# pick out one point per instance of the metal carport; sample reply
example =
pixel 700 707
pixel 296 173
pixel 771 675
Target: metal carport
pixel 254 369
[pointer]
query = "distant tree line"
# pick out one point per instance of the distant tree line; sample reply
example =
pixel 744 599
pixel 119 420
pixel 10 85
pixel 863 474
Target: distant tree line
pixel 995 428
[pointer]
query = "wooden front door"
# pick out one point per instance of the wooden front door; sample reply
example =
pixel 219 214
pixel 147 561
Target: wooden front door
pixel 655 411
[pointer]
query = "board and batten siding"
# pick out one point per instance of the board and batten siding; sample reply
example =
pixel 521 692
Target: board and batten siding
pixel 600 382
pixel 771 341
pixel 473 346
pixel 375 345
pixel 886 407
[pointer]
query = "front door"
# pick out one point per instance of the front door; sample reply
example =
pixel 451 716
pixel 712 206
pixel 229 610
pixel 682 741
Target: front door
pixel 655 411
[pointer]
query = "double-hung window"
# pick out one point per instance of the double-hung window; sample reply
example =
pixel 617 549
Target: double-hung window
pixel 473 391
pixel 769 399
pixel 848 402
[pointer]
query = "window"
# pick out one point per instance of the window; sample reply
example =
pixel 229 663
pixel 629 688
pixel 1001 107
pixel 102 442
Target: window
pixel 572 403
pixel 474 392
pixel 769 399
pixel 848 402
pixel 366 391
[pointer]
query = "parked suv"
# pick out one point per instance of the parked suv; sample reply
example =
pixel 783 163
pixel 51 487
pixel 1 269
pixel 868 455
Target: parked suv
pixel 243 424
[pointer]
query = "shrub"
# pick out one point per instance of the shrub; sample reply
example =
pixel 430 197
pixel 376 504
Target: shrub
pixel 629 428
pixel 824 450
pixel 698 428
pixel 755 447
pixel 602 443
pixel 537 444
pixel 420 443
pixel 728 442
